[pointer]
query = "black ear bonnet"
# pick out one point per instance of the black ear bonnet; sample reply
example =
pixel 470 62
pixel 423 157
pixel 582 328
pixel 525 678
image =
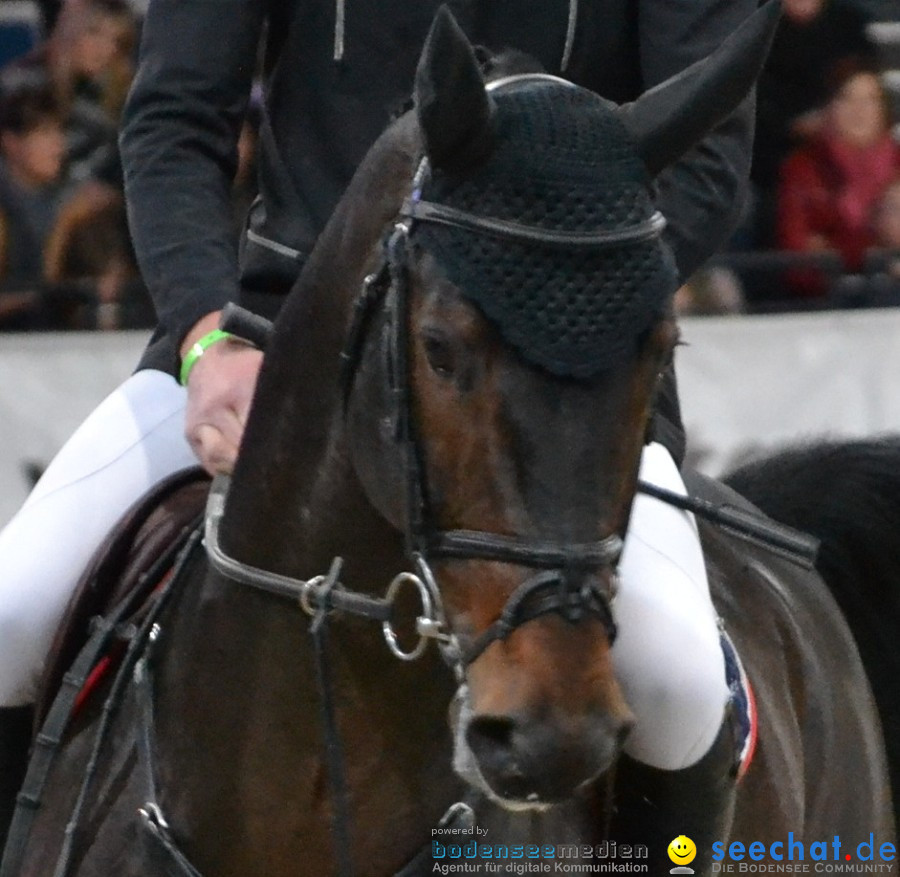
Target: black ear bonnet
pixel 561 161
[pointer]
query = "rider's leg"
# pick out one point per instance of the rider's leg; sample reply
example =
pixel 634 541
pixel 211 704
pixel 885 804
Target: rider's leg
pixel 668 656
pixel 676 776
pixel 654 806
pixel 133 440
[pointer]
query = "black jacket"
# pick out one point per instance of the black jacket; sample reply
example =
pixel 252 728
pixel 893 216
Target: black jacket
pixel 330 91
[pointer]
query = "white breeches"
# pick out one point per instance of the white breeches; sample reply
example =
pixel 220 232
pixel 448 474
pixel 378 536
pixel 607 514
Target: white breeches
pixel 667 655
pixel 131 441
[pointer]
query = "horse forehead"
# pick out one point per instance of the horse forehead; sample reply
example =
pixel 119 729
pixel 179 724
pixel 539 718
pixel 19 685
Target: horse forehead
pixel 562 161
pixel 444 306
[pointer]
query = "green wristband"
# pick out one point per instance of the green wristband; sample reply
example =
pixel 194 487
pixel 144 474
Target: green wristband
pixel 197 350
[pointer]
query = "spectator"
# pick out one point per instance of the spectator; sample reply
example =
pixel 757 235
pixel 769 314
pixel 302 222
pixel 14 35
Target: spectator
pixel 88 257
pixel 813 36
pixel 829 187
pixel 87 61
pixel 32 147
pixel 65 257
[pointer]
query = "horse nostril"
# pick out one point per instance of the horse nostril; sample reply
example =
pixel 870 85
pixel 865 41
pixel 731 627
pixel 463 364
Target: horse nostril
pixel 491 740
pixel 541 761
pixel 490 732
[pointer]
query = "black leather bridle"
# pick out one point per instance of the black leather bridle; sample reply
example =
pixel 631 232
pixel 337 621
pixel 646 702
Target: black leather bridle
pixel 565 580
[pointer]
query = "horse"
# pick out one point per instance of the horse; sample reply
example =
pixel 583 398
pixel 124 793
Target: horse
pixel 243 737
pixel 856 519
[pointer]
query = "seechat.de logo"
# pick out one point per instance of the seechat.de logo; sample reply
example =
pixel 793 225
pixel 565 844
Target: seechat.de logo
pixel 799 856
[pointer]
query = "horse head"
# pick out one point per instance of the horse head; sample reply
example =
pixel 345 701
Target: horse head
pixel 528 321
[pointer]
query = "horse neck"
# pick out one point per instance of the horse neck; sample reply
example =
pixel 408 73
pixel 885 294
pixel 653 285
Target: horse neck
pixel 295 498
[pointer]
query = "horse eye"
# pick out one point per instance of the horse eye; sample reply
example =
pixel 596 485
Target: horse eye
pixel 439 355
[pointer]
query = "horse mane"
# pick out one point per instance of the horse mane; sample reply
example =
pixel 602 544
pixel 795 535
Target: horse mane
pixel 845 493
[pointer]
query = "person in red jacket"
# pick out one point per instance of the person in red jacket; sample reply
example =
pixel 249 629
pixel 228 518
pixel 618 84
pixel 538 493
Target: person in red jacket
pixel 828 187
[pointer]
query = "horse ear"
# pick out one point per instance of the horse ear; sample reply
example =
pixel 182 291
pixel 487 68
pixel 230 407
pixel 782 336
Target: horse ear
pixel 670 118
pixel 453 108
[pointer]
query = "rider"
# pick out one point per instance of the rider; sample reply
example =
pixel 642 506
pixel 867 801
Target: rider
pixel 332 79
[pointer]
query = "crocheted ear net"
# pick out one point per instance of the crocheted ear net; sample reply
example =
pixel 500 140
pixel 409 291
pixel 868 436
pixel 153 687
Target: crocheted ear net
pixel 562 161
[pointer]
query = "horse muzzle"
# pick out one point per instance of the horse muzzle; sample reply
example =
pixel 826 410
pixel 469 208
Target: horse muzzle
pixel 523 762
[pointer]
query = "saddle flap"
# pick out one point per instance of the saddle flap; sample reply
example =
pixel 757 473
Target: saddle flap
pixel 117 571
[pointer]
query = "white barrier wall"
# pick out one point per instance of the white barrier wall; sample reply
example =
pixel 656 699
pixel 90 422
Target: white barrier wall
pixel 750 383
pixel 746 383
pixel 48 384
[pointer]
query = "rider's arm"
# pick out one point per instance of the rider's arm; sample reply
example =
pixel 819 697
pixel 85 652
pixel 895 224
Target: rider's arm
pixel 179 137
pixel 702 194
pixel 179 150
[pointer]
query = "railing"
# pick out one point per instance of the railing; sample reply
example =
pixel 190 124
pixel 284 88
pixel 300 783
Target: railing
pixel 766 277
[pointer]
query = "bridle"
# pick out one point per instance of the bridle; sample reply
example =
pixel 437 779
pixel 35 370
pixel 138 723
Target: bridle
pixel 564 581
pixel 560 584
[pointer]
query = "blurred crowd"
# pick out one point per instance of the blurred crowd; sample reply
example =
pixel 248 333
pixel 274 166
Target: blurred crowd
pixel 65 256
pixel 821 229
pixel 822 225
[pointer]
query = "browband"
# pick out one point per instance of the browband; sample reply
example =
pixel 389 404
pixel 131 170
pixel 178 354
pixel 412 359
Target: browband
pixel 441 214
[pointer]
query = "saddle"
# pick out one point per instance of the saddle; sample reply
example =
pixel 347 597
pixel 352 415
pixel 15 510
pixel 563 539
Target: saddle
pixel 125 570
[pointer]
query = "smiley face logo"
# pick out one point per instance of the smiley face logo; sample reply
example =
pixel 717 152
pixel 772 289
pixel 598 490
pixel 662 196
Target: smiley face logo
pixel 682 850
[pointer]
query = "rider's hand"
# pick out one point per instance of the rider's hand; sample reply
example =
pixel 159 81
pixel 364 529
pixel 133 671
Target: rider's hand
pixel 220 388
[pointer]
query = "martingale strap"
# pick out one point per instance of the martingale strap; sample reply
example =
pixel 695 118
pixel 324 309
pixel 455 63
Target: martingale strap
pixel 159 847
